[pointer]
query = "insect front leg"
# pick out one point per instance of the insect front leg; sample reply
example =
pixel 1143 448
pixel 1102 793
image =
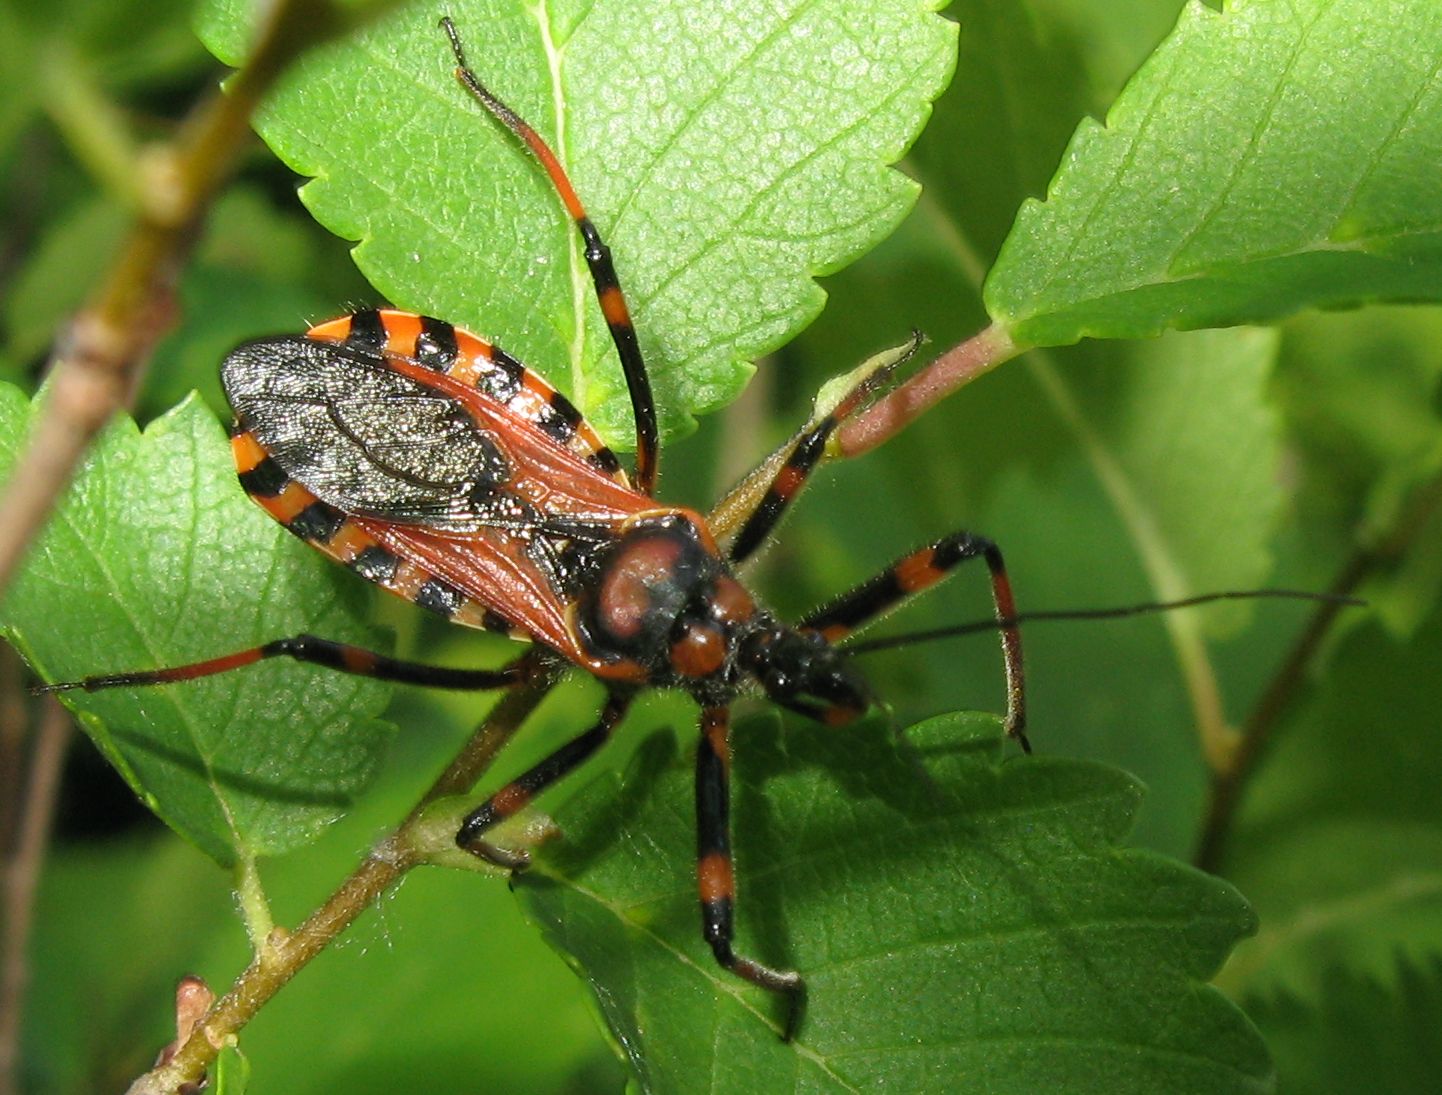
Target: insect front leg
pixel 919 571
pixel 715 877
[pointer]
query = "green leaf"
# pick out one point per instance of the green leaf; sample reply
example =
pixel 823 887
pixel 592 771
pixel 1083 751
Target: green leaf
pixel 1339 842
pixel 1221 191
pixel 1361 1035
pixel 959 918
pixel 727 153
pixel 57 274
pixel 242 764
pixel 232 1072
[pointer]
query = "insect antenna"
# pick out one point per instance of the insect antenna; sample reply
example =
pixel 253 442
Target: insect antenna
pixel 891 642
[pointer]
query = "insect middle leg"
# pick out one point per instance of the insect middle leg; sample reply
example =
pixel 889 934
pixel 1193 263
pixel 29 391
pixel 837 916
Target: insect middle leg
pixel 715 878
pixel 918 571
pixel 515 795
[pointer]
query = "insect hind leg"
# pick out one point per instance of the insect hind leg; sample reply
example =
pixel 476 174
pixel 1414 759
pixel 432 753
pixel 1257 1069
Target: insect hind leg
pixel 312 650
pixel 598 259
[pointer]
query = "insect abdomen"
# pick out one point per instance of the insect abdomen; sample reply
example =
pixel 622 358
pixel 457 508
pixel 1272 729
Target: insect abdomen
pixel 343 538
pixel 476 363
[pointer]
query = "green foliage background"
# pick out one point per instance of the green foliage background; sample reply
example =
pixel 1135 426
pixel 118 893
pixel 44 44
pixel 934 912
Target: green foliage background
pixel 1111 472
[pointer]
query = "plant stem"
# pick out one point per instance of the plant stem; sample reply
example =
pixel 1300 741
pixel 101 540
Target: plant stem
pixel 254 909
pixel 1229 779
pixel 286 953
pixel 892 413
pixel 96 363
pixel 21 877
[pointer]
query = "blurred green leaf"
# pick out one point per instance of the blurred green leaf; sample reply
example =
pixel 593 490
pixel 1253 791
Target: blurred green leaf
pixel 1110 39
pixel 160 902
pixel 1340 840
pixel 257 271
pixel 231 1072
pixel 728 154
pixel 1220 193
pixel 998 134
pixel 472 996
pixel 1181 438
pixel 1361 395
pixel 58 274
pixel 956 915
pixel 1360 1035
pixel 243 764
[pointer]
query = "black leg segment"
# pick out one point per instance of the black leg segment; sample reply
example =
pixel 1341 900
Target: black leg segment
pixel 918 571
pixel 517 794
pixel 714 875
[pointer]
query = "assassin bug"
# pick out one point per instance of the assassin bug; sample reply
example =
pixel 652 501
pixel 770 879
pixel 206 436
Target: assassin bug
pixel 435 465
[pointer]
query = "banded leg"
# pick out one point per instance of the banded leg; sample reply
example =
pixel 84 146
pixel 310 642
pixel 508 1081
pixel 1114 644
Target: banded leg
pixel 918 571
pixel 324 652
pixel 517 794
pixel 598 259
pixel 803 459
pixel 714 875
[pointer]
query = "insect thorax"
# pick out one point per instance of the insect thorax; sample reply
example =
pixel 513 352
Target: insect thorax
pixel 662 598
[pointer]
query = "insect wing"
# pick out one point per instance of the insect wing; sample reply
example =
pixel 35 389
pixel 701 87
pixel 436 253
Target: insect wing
pixel 476 363
pixel 362 436
pixel 450 483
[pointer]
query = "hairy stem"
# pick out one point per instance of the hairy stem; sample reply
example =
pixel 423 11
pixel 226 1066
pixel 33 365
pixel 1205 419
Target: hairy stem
pixel 892 413
pixel 96 362
pixel 287 953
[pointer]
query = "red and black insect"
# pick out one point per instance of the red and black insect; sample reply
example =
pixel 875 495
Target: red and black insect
pixel 435 465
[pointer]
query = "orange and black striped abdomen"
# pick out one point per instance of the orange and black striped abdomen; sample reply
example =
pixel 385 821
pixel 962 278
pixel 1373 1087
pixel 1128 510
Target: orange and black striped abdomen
pixel 476 363
pixel 346 540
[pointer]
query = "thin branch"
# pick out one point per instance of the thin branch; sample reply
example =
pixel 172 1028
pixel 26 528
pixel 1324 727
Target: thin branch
pixel 96 363
pixel 22 877
pixel 1229 781
pixel 287 953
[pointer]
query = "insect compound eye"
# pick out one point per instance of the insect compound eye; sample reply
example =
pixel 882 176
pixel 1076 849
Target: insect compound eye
pixel 730 603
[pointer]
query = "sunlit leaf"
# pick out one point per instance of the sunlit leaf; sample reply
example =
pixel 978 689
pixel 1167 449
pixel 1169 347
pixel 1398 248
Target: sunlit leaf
pixel 961 919
pixel 245 763
pixel 1267 158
